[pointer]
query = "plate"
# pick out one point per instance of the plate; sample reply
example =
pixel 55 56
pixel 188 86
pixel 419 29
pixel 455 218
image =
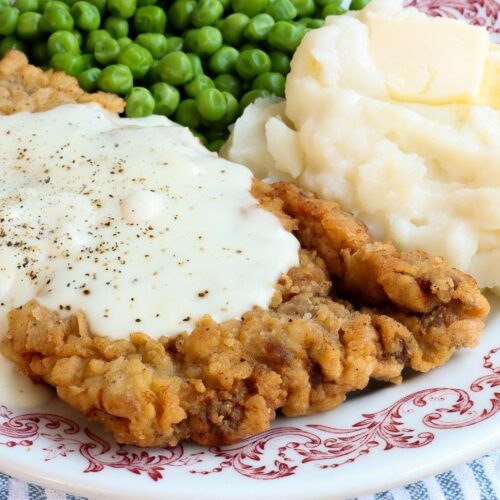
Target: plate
pixel 386 437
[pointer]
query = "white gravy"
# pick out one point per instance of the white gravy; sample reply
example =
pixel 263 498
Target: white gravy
pixel 132 222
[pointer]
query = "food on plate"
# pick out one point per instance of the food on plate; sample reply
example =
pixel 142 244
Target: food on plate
pixel 198 62
pixel 396 116
pixel 24 87
pixel 226 380
pixel 168 294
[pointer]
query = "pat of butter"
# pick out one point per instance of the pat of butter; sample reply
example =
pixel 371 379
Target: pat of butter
pixel 490 85
pixel 428 60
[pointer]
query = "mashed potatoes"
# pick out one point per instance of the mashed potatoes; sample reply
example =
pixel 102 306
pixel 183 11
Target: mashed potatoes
pixel 394 115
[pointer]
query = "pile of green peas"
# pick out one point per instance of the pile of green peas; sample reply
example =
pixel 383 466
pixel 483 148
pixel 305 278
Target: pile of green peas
pixel 199 62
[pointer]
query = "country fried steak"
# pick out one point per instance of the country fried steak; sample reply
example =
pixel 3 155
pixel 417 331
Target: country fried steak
pixel 226 381
pixel 353 310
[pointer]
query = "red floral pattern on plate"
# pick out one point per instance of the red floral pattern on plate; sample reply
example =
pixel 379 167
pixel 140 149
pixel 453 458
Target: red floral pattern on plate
pixel 477 12
pixel 285 447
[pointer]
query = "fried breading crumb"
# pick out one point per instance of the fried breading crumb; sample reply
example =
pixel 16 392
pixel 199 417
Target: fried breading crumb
pixel 24 87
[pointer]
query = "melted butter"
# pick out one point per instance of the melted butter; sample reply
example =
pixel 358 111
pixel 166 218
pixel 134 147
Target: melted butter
pixel 18 391
pixel 132 222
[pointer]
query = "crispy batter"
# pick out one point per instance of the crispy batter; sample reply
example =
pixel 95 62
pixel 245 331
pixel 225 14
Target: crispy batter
pixel 24 87
pixel 226 381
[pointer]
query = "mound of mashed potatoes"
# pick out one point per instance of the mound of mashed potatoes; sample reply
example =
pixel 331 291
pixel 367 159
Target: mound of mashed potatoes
pixel 397 116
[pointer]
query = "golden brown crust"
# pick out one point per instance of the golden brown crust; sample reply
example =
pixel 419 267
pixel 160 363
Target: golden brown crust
pixel 24 87
pixel 226 381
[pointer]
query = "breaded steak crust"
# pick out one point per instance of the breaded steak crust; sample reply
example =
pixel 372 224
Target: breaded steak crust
pixel 354 309
pixel 223 382
pixel 24 87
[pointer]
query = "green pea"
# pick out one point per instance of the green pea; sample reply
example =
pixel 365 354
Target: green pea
pixel 62 41
pixel 285 36
pixel 258 27
pixel 174 43
pixel 116 79
pixel 56 18
pixel 206 13
pixel 175 68
pixel 140 103
pixel 233 27
pixel 142 3
pixel 199 136
pixel 153 75
pixel 251 96
pixel 359 4
pixel 69 62
pixel 150 19
pixel 271 81
pixel 189 38
pixel 39 53
pixel 28 26
pixel 332 10
pixel 280 62
pixel 187 114
pixel 106 51
pixel 88 61
pixel 304 7
pixel 232 108
pixel 198 84
pixel 86 16
pixel 8 19
pixel 211 104
pixel 204 41
pixel 93 37
pixel 25 5
pixel 282 10
pixel 124 41
pixel 249 7
pixel 41 5
pixel 54 4
pixel 101 5
pixel 251 63
pixel 179 14
pixel 225 4
pixel 166 98
pixel 88 79
pixel 122 8
pixel 215 145
pixel 229 83
pixel 117 27
pixel 155 43
pixel 137 58
pixel 311 23
pixel 196 63
pixel 11 43
pixel 223 60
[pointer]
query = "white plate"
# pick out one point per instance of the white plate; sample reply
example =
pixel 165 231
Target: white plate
pixel 387 437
